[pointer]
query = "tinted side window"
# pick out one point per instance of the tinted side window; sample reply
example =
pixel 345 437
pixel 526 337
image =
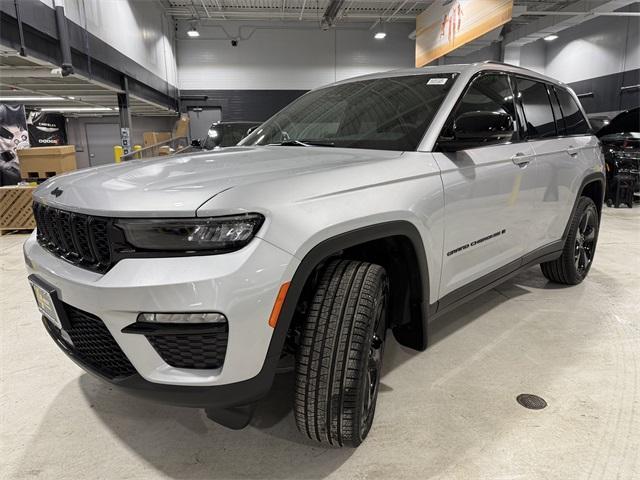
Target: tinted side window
pixel 557 113
pixel 490 94
pixel 537 109
pixel 573 118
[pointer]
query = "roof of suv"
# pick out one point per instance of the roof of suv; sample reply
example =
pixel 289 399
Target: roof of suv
pixel 467 69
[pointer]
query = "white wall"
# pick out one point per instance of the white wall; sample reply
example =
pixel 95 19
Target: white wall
pixel 598 47
pixel 595 48
pixel 137 28
pixel 302 57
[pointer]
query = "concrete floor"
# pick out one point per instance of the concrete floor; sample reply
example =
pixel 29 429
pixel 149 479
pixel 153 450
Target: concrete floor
pixel 449 412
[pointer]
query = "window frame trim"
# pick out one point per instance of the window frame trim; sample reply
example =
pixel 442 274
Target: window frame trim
pixel 546 86
pixel 467 87
pixel 580 111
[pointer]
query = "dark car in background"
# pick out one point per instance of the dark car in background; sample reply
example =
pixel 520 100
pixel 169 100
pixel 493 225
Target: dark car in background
pixel 620 140
pixel 226 134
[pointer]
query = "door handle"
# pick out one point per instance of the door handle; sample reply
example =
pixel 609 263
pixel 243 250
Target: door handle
pixel 572 151
pixel 520 159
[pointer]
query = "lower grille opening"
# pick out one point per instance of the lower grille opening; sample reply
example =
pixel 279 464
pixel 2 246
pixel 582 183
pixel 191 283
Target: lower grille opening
pixel 92 344
pixel 186 350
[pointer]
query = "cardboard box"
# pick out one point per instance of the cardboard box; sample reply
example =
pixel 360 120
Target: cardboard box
pixel 153 138
pixel 181 128
pixel 45 162
pixel 164 150
pixel 15 208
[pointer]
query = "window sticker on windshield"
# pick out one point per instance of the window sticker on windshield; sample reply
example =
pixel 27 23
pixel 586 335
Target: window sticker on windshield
pixel 437 81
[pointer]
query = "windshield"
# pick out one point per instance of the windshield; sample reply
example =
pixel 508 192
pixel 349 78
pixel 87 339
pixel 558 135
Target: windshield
pixel 383 114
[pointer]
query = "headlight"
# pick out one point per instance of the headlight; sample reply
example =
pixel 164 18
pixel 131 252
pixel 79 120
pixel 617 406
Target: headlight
pixel 215 233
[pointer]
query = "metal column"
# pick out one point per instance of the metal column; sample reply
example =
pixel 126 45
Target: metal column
pixel 125 117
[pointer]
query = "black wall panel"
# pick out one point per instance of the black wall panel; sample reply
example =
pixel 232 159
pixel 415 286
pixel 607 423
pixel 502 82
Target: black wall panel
pixel 238 105
pixel 606 93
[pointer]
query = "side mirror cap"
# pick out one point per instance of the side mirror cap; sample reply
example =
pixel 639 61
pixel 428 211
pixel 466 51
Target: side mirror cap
pixel 250 130
pixel 473 129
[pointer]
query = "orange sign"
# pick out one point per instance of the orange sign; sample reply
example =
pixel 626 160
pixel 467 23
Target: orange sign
pixel 449 24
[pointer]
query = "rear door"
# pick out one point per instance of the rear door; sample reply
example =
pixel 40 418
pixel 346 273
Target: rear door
pixel 558 140
pixel 488 191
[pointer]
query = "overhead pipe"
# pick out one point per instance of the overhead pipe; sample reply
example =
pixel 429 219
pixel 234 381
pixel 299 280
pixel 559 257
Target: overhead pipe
pixel 330 14
pixel 63 38
pixel 23 49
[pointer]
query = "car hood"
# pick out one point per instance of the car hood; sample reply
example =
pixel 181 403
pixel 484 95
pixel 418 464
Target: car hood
pixel 624 123
pixel 178 186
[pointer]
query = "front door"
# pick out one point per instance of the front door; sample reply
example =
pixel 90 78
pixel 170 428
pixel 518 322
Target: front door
pixel 101 138
pixel 488 188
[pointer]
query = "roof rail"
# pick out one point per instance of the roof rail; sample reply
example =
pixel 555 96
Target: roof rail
pixel 495 62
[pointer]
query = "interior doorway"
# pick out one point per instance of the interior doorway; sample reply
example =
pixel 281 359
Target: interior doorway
pixel 101 138
pixel 200 119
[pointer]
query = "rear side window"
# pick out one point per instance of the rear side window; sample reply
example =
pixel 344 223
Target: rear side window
pixel 575 122
pixel 557 113
pixel 537 109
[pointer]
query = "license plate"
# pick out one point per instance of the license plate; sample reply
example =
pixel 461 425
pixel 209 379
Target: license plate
pixel 45 302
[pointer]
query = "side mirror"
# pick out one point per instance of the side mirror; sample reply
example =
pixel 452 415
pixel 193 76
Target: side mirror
pixel 474 129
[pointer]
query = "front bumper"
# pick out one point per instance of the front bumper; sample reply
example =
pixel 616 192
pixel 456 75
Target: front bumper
pixel 242 285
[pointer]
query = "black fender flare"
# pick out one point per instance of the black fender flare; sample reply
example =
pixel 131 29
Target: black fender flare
pixel 330 246
pixel 591 178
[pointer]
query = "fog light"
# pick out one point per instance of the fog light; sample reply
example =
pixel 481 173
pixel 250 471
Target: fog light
pixel 182 317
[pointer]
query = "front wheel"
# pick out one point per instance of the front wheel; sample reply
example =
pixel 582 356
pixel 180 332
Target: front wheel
pixel 339 359
pixel 580 247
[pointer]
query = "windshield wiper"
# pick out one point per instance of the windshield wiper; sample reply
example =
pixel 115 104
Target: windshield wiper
pixel 304 143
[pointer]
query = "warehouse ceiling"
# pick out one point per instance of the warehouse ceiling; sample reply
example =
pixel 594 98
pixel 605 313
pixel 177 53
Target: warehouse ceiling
pixel 41 85
pixel 314 10
pixel 532 19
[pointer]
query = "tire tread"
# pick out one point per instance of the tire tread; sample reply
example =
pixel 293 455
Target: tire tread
pixel 330 356
pixel 562 269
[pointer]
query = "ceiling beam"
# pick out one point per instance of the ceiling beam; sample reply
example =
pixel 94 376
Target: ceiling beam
pixel 330 14
pixel 570 16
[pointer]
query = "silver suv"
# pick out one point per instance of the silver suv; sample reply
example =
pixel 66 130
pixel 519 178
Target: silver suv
pixel 373 204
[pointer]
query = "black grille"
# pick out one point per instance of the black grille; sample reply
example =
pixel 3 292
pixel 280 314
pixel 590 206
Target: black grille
pixel 92 344
pixel 202 350
pixel 80 239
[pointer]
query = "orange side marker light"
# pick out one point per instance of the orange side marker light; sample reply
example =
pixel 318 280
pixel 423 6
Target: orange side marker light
pixel 275 313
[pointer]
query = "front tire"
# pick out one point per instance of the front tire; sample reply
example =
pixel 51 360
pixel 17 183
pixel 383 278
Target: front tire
pixel 577 256
pixel 339 359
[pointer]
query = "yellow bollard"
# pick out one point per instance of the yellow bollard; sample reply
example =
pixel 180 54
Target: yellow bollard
pixel 118 151
pixel 137 148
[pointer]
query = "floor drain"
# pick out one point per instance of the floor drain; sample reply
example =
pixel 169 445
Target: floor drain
pixel 532 402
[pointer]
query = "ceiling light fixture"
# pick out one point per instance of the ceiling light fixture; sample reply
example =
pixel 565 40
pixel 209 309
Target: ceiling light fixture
pixel 31 99
pixel 551 38
pixel 193 32
pixel 380 31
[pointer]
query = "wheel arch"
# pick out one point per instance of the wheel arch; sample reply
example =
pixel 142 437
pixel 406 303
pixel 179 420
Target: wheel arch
pixel 594 187
pixel 370 243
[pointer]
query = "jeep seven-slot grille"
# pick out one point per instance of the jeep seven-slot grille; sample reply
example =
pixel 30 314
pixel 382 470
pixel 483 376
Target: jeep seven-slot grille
pixel 80 239
pixel 92 344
